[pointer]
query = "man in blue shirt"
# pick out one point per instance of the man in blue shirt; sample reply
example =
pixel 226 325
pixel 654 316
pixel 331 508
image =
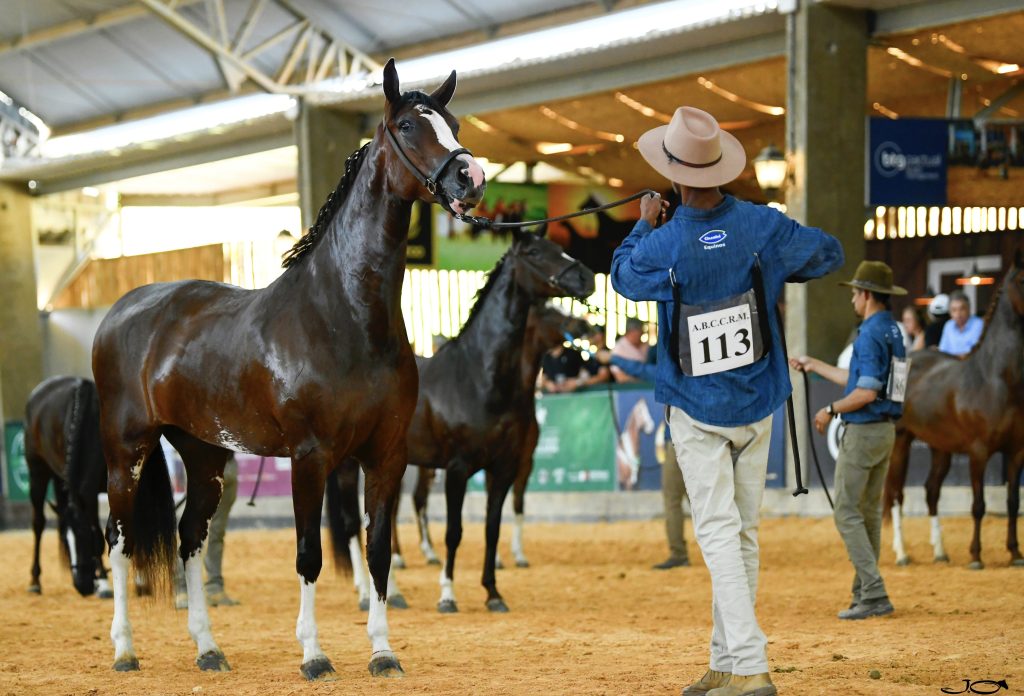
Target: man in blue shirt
pixel 721 399
pixel 870 432
pixel 962 331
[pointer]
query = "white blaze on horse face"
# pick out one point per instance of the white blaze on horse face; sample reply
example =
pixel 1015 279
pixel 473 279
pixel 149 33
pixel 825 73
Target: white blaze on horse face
pixel 120 627
pixel 446 139
pixel 198 616
pixel 305 626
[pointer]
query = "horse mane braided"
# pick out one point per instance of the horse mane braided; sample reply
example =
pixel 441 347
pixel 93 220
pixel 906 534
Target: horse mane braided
pixel 327 210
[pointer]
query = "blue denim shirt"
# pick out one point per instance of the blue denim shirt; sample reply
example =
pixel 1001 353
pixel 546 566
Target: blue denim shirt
pixel 878 340
pixel 709 271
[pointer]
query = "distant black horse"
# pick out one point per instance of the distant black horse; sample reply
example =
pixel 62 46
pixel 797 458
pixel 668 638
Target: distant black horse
pixel 62 444
pixel 596 252
pixel 547 327
pixel 473 412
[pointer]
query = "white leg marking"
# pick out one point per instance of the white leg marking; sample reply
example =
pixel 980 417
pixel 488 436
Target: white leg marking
pixel 305 626
pixel 377 626
pixel 447 592
pixel 72 554
pixel 517 539
pixel 360 578
pixel 198 615
pixel 940 550
pixel 392 583
pixel 897 533
pixel 425 547
pixel 102 586
pixel 120 628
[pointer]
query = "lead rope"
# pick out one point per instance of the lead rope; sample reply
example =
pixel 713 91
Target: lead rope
pixel 790 411
pixel 256 486
pixel 814 451
pixel 487 223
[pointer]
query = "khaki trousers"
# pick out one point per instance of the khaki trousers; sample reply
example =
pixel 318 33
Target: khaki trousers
pixel 724 470
pixel 860 474
pixel 673 491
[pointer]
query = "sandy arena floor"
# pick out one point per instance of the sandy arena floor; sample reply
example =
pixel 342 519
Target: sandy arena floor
pixel 590 617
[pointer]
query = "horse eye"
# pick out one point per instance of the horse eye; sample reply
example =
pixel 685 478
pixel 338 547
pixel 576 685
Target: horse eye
pixel 405 126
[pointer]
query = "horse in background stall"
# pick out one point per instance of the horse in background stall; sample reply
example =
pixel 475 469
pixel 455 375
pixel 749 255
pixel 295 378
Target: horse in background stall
pixel 472 413
pixel 627 446
pixel 316 366
pixel 973 405
pixel 62 445
pixel 546 327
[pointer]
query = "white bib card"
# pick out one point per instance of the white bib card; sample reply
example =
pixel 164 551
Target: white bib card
pixel 721 340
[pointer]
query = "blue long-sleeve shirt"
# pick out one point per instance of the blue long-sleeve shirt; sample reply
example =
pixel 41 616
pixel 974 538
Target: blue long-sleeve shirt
pixel 878 340
pixel 720 267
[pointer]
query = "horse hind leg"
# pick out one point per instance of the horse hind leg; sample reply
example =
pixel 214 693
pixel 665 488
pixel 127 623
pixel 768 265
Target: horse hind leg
pixel 420 496
pixel 497 490
pixel 383 486
pixel 204 467
pixel 895 480
pixel 977 509
pixel 518 507
pixel 933 488
pixel 39 479
pixel 1013 476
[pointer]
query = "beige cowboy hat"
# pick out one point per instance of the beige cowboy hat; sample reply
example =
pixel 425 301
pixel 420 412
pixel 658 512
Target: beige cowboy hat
pixel 875 276
pixel 693 150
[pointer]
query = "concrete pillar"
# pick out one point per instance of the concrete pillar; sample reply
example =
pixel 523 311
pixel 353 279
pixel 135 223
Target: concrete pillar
pixel 21 343
pixel 325 138
pixel 825 142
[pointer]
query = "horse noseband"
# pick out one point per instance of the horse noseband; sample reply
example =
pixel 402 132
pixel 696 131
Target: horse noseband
pixel 432 182
pixel 556 279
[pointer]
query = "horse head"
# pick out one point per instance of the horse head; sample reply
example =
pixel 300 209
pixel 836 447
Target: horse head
pixel 83 542
pixel 543 269
pixel 552 326
pixel 428 162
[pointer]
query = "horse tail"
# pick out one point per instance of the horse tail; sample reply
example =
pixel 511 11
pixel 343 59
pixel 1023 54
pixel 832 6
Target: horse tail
pixel 343 512
pixel 83 453
pixel 153 523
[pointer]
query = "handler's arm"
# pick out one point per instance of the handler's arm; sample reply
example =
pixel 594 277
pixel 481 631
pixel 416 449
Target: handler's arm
pixel 832 373
pixel 640 266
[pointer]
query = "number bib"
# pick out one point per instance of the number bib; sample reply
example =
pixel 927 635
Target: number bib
pixel 896 388
pixel 720 340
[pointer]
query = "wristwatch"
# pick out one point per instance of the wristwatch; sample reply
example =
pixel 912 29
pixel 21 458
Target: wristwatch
pixel 830 411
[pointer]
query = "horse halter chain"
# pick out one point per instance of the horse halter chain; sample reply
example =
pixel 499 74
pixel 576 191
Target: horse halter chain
pixel 432 182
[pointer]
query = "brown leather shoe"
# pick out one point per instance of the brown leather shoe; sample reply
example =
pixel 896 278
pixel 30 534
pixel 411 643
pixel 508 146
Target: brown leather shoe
pixel 754 685
pixel 710 680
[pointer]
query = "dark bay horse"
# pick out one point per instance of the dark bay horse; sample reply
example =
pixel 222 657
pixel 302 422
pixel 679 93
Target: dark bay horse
pixel 317 367
pixel 473 411
pixel 62 445
pixel 547 326
pixel 975 406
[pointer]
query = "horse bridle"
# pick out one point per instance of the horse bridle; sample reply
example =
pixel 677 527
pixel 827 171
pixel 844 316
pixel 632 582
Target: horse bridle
pixel 433 182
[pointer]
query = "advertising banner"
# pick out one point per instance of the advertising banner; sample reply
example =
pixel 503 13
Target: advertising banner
pixel 15 485
pixel 907 161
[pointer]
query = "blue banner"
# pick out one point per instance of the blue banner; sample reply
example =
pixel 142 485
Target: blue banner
pixel 907 161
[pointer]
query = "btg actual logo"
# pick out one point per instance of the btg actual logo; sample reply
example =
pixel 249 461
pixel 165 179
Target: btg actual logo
pixel 889 159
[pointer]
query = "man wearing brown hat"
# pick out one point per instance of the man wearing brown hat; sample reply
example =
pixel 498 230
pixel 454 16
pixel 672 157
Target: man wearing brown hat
pixel 717 270
pixel 869 413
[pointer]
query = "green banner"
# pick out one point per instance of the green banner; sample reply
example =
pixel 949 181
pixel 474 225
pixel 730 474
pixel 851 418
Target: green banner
pixel 576 449
pixel 16 479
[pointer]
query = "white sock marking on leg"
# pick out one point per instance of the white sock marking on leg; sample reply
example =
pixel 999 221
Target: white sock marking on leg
pixel 447 591
pixel 360 577
pixel 305 626
pixel 198 615
pixel 517 539
pixel 897 532
pixel 120 627
pixel 377 625
pixel 937 537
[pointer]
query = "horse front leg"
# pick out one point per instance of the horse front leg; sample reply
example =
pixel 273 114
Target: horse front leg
pixel 933 488
pixel 499 483
pixel 455 480
pixel 1013 475
pixel 519 507
pixel 977 509
pixel 424 480
pixel 39 479
pixel 309 476
pixel 383 486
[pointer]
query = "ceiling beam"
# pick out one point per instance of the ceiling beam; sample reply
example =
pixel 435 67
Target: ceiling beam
pixel 937 13
pixel 999 102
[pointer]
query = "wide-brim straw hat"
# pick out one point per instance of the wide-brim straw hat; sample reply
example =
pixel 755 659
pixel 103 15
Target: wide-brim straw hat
pixel 874 276
pixel 693 150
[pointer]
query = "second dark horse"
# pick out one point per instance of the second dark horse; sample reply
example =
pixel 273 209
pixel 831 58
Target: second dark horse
pixel 473 411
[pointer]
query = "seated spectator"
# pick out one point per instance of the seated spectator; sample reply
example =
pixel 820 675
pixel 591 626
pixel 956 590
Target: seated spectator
pixel 913 325
pixel 631 347
pixel 963 330
pixel 938 311
pixel 566 370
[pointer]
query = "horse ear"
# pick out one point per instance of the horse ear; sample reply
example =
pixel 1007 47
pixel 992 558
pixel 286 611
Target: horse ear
pixel 443 94
pixel 391 90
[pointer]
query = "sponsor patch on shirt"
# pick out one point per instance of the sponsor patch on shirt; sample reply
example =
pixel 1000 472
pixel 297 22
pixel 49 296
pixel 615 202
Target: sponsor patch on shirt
pixel 713 239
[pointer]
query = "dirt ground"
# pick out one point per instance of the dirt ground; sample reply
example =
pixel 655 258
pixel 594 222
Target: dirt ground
pixel 589 617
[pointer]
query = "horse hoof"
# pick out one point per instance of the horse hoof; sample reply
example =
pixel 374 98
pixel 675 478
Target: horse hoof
pixel 976 565
pixel 523 563
pixel 434 561
pixel 319 669
pixel 386 665
pixel 497 606
pixel 942 559
pixel 397 601
pixel 35 589
pixel 127 664
pixel 1017 563
pixel 447 606
pixel 213 661
pixel 905 561
pixel 364 604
